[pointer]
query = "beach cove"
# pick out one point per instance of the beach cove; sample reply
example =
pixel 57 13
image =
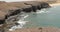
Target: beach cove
pixel 45 18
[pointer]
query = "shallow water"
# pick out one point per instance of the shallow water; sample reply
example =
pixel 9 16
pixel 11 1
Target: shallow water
pixel 49 17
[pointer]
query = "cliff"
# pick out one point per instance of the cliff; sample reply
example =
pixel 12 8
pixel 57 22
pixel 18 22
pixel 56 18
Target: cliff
pixel 9 12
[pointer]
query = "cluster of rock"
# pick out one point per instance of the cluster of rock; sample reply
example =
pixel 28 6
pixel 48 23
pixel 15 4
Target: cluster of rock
pixel 9 11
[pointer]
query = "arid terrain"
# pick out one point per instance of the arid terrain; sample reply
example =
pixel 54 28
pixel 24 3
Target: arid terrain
pixel 44 29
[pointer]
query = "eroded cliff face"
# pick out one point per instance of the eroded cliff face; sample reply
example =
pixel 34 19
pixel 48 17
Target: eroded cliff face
pixel 10 12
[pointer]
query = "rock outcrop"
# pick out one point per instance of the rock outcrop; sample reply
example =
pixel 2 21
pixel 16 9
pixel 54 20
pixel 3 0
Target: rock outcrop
pixel 10 12
pixel 37 5
pixel 6 12
pixel 44 5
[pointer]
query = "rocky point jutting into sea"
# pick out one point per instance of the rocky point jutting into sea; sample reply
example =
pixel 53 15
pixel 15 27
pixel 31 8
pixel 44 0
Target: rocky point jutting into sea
pixel 10 12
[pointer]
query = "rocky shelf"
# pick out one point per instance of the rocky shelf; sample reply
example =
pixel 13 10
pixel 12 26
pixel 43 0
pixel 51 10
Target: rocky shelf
pixel 9 11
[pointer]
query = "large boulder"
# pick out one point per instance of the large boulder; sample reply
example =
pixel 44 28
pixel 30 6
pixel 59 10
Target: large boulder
pixel 44 5
pixel 35 5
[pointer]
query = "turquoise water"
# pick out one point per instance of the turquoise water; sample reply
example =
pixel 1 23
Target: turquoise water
pixel 50 17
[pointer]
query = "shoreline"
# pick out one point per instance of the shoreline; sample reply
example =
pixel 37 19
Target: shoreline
pixel 55 4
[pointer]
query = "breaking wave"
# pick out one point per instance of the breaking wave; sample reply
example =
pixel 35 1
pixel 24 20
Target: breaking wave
pixel 42 11
pixel 21 23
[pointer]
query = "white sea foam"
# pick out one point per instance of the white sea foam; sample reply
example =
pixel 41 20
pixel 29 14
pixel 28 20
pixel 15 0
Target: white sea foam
pixel 23 17
pixel 42 11
pixel 20 22
pixel 26 16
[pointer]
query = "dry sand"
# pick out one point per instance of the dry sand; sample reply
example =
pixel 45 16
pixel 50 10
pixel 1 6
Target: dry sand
pixel 55 4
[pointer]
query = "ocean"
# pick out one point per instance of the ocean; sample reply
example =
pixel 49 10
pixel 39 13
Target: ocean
pixel 48 17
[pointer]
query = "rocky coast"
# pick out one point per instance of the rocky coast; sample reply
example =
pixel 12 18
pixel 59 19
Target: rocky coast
pixel 10 12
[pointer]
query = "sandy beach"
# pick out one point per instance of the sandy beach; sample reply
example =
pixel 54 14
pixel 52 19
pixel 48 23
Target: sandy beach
pixel 55 4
